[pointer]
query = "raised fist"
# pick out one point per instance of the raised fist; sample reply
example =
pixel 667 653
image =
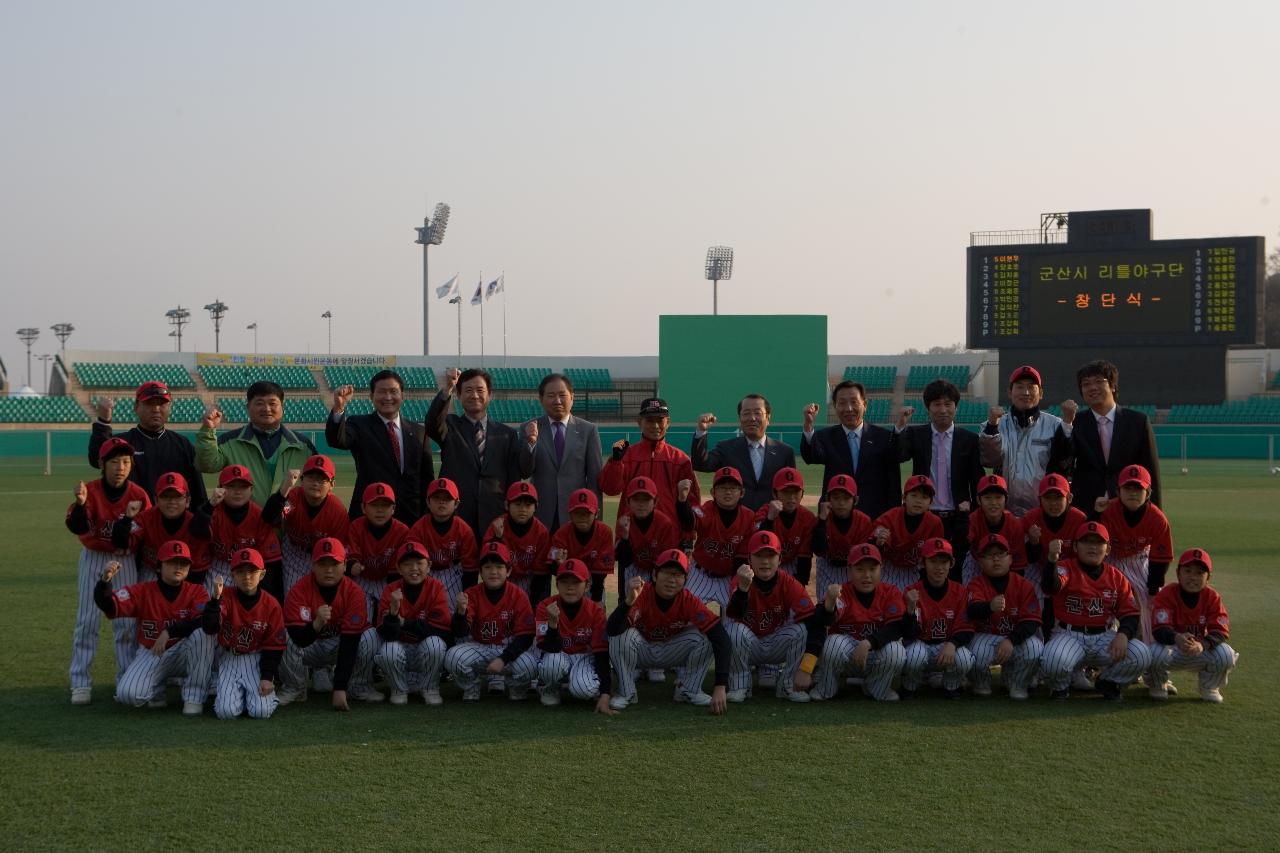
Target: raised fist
pixel 81 493
pixel 775 509
pixel 499 527
pixel 212 418
pixel 341 396
pixel 624 527
pixel 810 416
pixel 132 508
pixel 904 415
pixel 103 406
pixel 705 421
pixel 633 590
pixel 745 576
pixel 833 595
pixel 997 604
pixel 393 605
pixel 824 510
pixel 356 569
pixel 558 555
pixel 112 569
pixel 217 495
pixel 531 432
pixel 323 612
pixel 218 583
pixel 553 615
pixel 994 414
pixel 620 445
pixel 682 490
pixel 912 597
pixel 1033 534
pixel 964 506
pixel 1069 409
pixel 449 379
pixel 881 535
pixel 289 481
pixel 1055 550
pixel 1101 504
pixel 460 606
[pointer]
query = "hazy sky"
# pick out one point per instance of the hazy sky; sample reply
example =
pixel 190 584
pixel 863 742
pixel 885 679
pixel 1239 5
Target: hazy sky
pixel 278 156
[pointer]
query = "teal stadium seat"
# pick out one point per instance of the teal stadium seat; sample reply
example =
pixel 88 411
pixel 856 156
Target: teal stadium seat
pixel 873 377
pixel 41 410
pixel 921 375
pixel 240 376
pixel 186 410
pixel 415 378
pixel 96 374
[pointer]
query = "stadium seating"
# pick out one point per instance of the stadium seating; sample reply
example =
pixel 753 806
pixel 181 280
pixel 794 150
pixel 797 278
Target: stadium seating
pixel 921 375
pixel 186 410
pixel 41 410
pixel 873 378
pixel 971 412
pixel 589 378
pixel 297 410
pixel 515 410
pixel 516 378
pixel 95 374
pixel 879 411
pixel 603 406
pixel 241 376
pixel 1275 382
pixel 1255 410
pixel 415 378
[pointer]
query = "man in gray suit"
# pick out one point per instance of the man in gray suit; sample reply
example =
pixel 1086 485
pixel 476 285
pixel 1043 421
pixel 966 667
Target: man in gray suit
pixel 755 456
pixel 567 456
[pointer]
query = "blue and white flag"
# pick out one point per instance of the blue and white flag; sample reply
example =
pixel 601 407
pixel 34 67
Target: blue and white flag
pixel 448 289
pixel 495 286
pixel 475 297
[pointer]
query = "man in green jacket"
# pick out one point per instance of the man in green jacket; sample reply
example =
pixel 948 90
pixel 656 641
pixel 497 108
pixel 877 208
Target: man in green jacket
pixel 265 446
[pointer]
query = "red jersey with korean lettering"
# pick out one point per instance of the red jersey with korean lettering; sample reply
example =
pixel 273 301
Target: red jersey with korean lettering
pixel 579 635
pixel 431 606
pixel 1036 518
pixel 796 537
pixel 227 537
pixel 657 625
pixel 861 622
pixel 657 460
pixel 1011 528
pixel 721 549
pixel 663 533
pixel 103 513
pixel 903 548
pixel 597 552
pixel 839 542
pixel 528 552
pixel 1021 603
pixel 1083 602
pixel 246 631
pixel 349 612
pixel 305 525
pixel 941 620
pixel 376 553
pixel 495 623
pixel 1209 616
pixel 1151 535
pixel 154 532
pixel 785 603
pixel 457 545
pixel 146 603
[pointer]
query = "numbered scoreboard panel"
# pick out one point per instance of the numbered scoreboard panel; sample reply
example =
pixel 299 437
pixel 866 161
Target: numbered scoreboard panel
pixel 1166 292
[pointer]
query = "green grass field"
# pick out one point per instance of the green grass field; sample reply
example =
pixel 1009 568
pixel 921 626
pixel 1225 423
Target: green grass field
pixel 929 774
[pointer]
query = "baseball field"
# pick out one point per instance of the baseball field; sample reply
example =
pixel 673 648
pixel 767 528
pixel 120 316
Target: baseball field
pixel 926 774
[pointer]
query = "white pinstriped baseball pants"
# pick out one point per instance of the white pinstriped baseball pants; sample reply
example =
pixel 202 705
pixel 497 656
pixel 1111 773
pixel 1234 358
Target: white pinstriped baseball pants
pixel 899 576
pixel 708 587
pixel 451 578
pixel 634 572
pixel 580 668
pixel 296 563
pixel 191 657
pixel 689 653
pixel 922 657
pixel 883 665
pixel 1068 649
pixel 238 680
pixel 217 569
pixel 1017 671
pixel 1135 570
pixel 827 575
pixel 400 662
pixel 324 653
pixel 1213 667
pixel 84 639
pixel 372 592
pixel 969 568
pixel 784 646
pixel 467 661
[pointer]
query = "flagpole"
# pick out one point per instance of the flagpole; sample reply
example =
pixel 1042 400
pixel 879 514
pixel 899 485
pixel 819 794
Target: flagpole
pixel 482 319
pixel 503 279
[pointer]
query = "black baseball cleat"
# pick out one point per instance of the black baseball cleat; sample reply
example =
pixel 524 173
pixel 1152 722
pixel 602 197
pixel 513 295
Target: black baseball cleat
pixel 1110 690
pixel 1060 694
pixel 906 693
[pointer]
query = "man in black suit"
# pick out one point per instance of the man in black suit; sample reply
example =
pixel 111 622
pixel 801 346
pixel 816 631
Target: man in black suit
pixel 1105 438
pixel 567 455
pixel 864 451
pixel 480 455
pixel 951 457
pixel 387 447
pixel 753 454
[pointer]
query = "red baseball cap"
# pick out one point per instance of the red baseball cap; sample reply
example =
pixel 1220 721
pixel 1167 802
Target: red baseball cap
pixel 114 447
pixel 584 499
pixel 443 484
pixel 673 556
pixel 843 483
pixel 1055 483
pixel 522 489
pixel 921 482
pixel 329 549
pixel 787 478
pixel 151 391
pixel 378 492
pixel 172 482
pixel 1026 371
pixel 992 483
pixel 409 549
pixel 495 550
pixel 235 474
pixel 993 539
pixel 575 569
pixel 320 463
pixel 764 540
pixel 935 546
pixel 864 551
pixel 1135 474
pixel 247 557
pixel 1092 528
pixel 1196 555
pixel 727 473
pixel 642 486
pixel 174 549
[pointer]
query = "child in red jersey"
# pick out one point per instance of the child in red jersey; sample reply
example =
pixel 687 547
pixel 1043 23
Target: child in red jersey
pixel 169 519
pixel 373 540
pixel 235 522
pixel 168 613
pixel 415 626
pixel 450 541
pixel 308 511
pixel 1191 630
pixel 662 624
pixel 840 527
pixel 936 639
pixel 1055 519
pixel 723 526
pixel 643 532
pixel 903 530
pixel 493 623
pixel 585 538
pixel 992 517
pixel 92 516
pixel 249 625
pixel 570 631
pixel 1141 543
pixel 1004 610
pixel 527 540
pixel 793 524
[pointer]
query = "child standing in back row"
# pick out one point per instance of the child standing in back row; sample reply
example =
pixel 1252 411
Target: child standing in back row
pixel 585 538
pixel 310 512
pixel 1141 542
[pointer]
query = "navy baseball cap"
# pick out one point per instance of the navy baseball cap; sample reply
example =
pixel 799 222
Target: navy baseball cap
pixel 654 406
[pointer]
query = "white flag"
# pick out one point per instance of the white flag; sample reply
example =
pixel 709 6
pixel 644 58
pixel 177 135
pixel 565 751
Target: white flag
pixel 475 297
pixel 495 286
pixel 449 288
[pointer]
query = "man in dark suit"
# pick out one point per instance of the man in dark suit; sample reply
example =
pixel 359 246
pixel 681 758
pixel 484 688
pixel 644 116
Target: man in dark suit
pixel 387 447
pixel 567 455
pixel 753 454
pixel 482 456
pixel 951 457
pixel 1105 438
pixel 864 451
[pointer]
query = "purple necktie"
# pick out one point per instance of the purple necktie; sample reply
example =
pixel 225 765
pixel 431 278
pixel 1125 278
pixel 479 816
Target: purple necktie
pixel 942 465
pixel 557 437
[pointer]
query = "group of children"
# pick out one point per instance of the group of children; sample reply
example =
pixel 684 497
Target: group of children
pixel 254 604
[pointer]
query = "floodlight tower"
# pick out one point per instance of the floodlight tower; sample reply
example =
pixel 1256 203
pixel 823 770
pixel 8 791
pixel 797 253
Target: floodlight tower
pixel 28 336
pixel 430 234
pixel 254 328
pixel 63 331
pixel 328 315
pixel 217 310
pixel 178 317
pixel 719 268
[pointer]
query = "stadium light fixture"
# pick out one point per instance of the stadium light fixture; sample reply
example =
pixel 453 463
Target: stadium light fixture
pixel 328 315
pixel 28 336
pixel 254 328
pixel 217 310
pixel 178 317
pixel 430 234
pixel 719 268
pixel 457 300
pixel 63 331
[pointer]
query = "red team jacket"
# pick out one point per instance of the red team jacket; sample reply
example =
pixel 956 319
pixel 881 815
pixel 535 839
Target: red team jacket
pixel 1085 603
pixel 720 550
pixel 581 635
pixel 377 555
pixel 1151 535
pixel 787 602
pixel 597 553
pixel 528 552
pixel 456 546
pixel 663 534
pixel 432 606
pixel 903 548
pixel 496 624
pixel 350 610
pixel 657 625
pixel 1074 518
pixel 660 462
pixel 244 632
pixel 839 544
pixel 1021 604
pixel 1208 616
pixel 146 603
pixel 941 620
pixel 797 539
pixel 1010 528
pixel 227 537
pixel 861 622
pixel 103 514
pixel 150 527
pixel 303 530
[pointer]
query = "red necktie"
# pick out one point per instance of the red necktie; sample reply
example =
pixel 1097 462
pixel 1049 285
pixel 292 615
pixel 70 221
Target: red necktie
pixel 395 444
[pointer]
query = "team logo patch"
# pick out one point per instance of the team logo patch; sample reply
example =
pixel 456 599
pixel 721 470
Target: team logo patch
pixel 1222 620
pixel 305 613
pixel 892 609
pixel 354 618
pixel 803 603
pixel 542 629
pixel 1162 615
pixel 122 595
